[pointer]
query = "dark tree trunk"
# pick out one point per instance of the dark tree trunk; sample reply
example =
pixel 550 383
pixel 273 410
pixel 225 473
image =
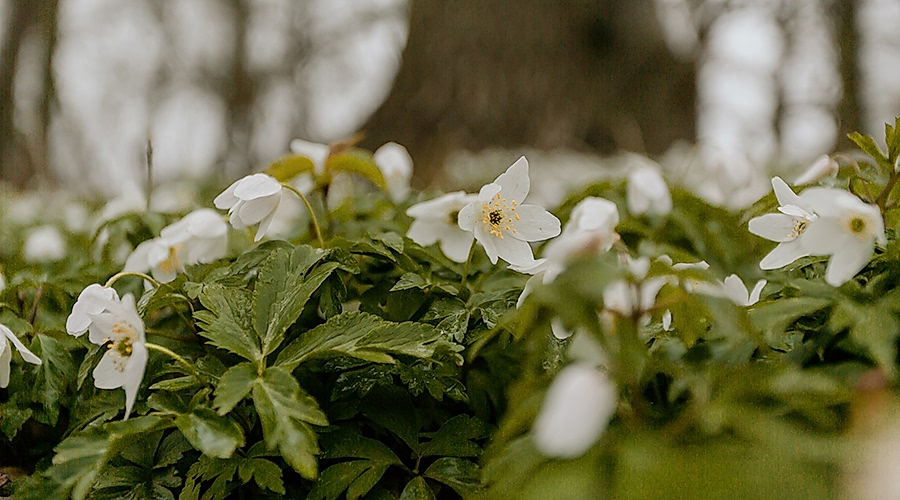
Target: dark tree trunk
pixel 850 119
pixel 15 165
pixel 586 74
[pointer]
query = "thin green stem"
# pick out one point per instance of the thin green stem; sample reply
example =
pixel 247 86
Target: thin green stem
pixel 312 214
pixel 122 274
pixel 187 364
pixel 465 273
pixel 882 199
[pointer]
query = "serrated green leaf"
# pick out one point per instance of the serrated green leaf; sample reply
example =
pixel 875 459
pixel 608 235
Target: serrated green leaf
pixel 289 166
pixel 227 323
pixel 336 479
pixel 409 280
pixel 265 473
pixel 284 411
pixel 417 489
pixel 872 328
pixel 461 475
pixel 77 462
pixel 454 438
pixel 358 162
pixel 171 450
pixel 892 139
pixel 868 145
pixel 234 385
pixel 364 336
pixel 212 434
pixel 55 374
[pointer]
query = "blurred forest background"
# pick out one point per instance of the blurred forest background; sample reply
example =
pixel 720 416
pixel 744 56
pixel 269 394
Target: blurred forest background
pixel 222 86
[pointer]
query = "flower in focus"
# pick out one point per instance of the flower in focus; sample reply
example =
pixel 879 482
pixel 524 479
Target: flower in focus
pixel 123 364
pixel 251 200
pixel 788 228
pixel 847 228
pixel 44 243
pixel 397 167
pixel 436 221
pixel 7 336
pixel 93 300
pixel 502 223
pixel 647 191
pixel 736 291
pixel 823 167
pixel 200 237
pixel 576 410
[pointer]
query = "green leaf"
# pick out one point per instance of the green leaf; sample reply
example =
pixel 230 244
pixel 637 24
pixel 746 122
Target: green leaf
pixel 873 328
pixel 284 410
pixel 227 323
pixel 461 475
pixel 358 162
pixel 212 434
pixel 892 139
pixel 234 386
pixel 289 166
pixel 77 462
pixel 265 473
pixel 409 280
pixel 284 288
pixel 337 478
pixel 55 375
pixel 454 438
pixel 364 336
pixel 417 489
pixel 356 476
pixel 867 144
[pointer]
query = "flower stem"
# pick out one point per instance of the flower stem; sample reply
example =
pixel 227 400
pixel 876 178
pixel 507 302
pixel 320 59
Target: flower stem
pixel 122 274
pixel 881 201
pixel 312 214
pixel 465 273
pixel 187 364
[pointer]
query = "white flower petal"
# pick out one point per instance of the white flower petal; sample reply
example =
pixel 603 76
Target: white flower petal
pixel 783 254
pixel 848 261
pixel 134 373
pixel 824 236
pixel 254 211
pixel 757 290
pixel 227 199
pixel 265 223
pixel 26 354
pixel 736 290
pixel 426 232
pixel 92 300
pixel 773 227
pixel 455 244
pixel 106 374
pixel 467 219
pixel 5 358
pixel 576 410
pixel 535 223
pixel 784 194
pixel 515 182
pixel 257 186
pixel 512 250
pixel 487 242
pixel 822 167
pixel 316 152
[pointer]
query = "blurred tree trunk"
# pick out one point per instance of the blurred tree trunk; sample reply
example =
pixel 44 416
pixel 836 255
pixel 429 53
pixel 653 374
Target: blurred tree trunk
pixel 847 42
pixel 585 74
pixel 15 166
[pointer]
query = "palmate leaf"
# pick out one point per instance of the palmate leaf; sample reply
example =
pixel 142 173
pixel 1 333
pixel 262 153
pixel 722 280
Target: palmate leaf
pixel 284 288
pixel 461 475
pixel 56 374
pixel 417 489
pixel 285 412
pixel 212 434
pixel 371 460
pixel 234 385
pixel 364 336
pixel 227 323
pixel 265 473
pixel 454 438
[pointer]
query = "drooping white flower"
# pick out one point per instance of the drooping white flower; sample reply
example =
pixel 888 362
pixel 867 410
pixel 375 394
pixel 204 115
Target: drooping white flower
pixel 123 364
pixel 7 336
pixel 200 237
pixel 44 244
pixel 847 228
pixel 251 200
pixel 736 290
pixel 788 228
pixel 436 221
pixel 93 300
pixel 824 166
pixel 647 191
pixel 397 167
pixel 502 223
pixel 576 410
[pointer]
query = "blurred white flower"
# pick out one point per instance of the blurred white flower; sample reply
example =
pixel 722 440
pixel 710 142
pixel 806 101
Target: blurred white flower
pixel 502 223
pixel 736 290
pixel 823 167
pixel 251 200
pixel 576 410
pixel 93 300
pixel 2 282
pixel 788 228
pixel 436 221
pixel 634 296
pixel 200 237
pixel 397 167
pixel 318 154
pixel 44 244
pixel 847 228
pixel 124 362
pixel 7 336
pixel 647 191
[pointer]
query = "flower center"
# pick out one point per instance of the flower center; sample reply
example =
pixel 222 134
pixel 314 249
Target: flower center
pixel 172 263
pixel 857 225
pixel 121 345
pixel 500 215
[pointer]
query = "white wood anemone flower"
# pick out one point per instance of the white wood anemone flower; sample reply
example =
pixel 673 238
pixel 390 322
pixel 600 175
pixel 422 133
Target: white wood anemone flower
pixel 251 200
pixel 502 223
pixel 121 329
pixel 647 192
pixel 199 237
pixel 736 290
pixel 847 229
pixel 435 221
pixel 578 406
pixel 788 228
pixel 7 336
pixel 93 300
pixel 397 167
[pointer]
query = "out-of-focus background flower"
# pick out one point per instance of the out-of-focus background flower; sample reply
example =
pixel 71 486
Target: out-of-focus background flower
pixel 222 86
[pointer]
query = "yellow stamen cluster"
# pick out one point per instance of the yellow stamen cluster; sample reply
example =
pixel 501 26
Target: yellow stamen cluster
pixel 500 215
pixel 799 227
pixel 121 344
pixel 171 264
